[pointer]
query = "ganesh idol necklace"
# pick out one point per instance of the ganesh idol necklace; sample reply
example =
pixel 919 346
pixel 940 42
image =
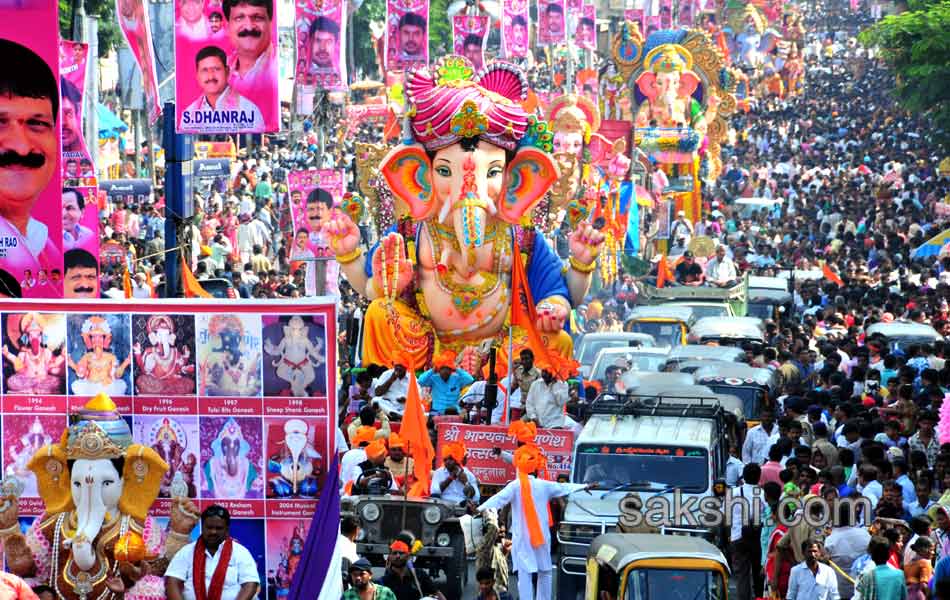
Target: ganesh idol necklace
pixel 466 297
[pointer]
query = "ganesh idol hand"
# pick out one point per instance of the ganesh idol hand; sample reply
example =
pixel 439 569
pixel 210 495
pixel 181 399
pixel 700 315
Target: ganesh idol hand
pixel 396 274
pixel 585 242
pixel 184 516
pixel 344 234
pixel 9 513
pixel 551 316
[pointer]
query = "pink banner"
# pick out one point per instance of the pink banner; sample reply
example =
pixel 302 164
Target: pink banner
pixel 314 196
pixel 652 24
pixel 77 161
pixel 81 219
pixel 469 33
pixel 133 21
pixel 321 35
pixel 585 36
pixel 551 23
pixel 687 14
pixel 666 14
pixel 481 440
pixel 635 15
pixel 226 67
pixel 31 219
pixel 514 39
pixel 407 33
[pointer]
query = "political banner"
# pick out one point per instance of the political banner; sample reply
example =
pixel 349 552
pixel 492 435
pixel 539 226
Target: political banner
pixel 652 25
pixel 687 13
pixel 666 14
pixel 314 196
pixel 585 34
pixel 469 33
pixel 192 380
pixel 77 162
pixel 131 192
pixel 134 23
pixel 551 23
pixel 407 34
pixel 80 225
pixel 31 219
pixel 514 39
pixel 321 35
pixel 226 67
pixel 481 440
pixel 637 16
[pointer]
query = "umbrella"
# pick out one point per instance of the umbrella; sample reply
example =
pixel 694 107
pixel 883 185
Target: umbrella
pixel 933 246
pixel 110 126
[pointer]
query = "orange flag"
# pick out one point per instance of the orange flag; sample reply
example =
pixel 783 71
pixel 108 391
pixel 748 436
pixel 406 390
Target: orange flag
pixel 415 435
pixel 190 284
pixel 831 275
pixel 523 313
pixel 127 283
pixel 151 286
pixel 663 272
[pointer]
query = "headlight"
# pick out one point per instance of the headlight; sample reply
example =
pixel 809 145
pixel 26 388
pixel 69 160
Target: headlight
pixel 370 512
pixel 443 539
pixel 432 515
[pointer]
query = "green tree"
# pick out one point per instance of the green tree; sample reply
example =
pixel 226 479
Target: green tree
pixel 916 44
pixel 109 33
pixel 364 52
pixel 440 29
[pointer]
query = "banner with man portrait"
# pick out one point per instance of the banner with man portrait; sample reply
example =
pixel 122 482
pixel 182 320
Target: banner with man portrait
pixel 31 219
pixel 551 22
pixel 585 33
pixel 666 14
pixel 321 39
pixel 81 218
pixel 77 162
pixel 636 15
pixel 315 195
pixel 515 20
pixel 407 34
pixel 687 13
pixel 134 23
pixel 226 67
pixel 469 33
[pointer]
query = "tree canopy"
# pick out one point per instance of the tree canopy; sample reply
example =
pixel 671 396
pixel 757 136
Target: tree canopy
pixel 109 33
pixel 916 44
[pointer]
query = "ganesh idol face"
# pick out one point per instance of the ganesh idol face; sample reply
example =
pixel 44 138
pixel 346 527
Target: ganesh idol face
pixel 568 142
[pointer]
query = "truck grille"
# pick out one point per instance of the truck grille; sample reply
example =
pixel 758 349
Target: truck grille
pixel 390 522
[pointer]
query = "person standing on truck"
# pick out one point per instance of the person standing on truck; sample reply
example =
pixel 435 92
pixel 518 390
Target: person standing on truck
pixel 530 532
pixel 452 481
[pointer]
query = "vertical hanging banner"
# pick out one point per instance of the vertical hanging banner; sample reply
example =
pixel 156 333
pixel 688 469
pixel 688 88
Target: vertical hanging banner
pixel 314 194
pixel 321 32
pixel 666 14
pixel 687 13
pixel 635 15
pixel 407 33
pixel 652 24
pixel 551 23
pixel 31 219
pixel 585 35
pixel 226 67
pixel 77 162
pixel 514 41
pixel 469 33
pixel 133 21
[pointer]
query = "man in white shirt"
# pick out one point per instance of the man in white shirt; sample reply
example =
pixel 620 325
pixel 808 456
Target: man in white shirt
pixel 721 271
pixel 349 530
pixel 759 439
pixel 391 389
pixel 219 108
pixel 240 580
pixel 868 485
pixel 453 482
pixel 844 545
pixel 681 229
pixel 191 22
pixel 810 579
pixel 545 403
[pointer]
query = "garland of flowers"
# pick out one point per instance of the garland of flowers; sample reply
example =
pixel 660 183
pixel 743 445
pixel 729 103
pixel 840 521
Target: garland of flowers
pixel 687 142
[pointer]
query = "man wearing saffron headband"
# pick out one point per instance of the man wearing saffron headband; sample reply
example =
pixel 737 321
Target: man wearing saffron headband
pixel 371 476
pixel 530 536
pixel 446 382
pixel 453 482
pixel 401 579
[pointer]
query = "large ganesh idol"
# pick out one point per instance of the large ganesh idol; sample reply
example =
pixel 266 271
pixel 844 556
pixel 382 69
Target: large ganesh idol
pixel 471 169
pixel 95 540
pixel 668 83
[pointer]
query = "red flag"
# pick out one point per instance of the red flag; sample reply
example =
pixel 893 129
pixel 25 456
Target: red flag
pixel 190 284
pixel 831 275
pixel 415 434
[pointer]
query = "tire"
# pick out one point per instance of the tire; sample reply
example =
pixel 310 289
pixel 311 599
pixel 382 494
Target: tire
pixel 456 570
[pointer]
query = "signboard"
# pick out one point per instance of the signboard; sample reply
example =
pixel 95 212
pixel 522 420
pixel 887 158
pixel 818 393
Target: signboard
pixel 514 42
pixel 469 34
pixel 480 440
pixel 192 378
pixel 407 34
pixel 321 32
pixel 212 167
pixel 133 192
pixel 77 162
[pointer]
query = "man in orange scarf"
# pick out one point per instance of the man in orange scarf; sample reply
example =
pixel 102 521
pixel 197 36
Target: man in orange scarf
pixel 452 481
pixel 531 540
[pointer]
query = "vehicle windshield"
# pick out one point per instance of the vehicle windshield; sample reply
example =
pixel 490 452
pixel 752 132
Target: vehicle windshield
pixel 665 333
pixel 650 363
pixel 674 584
pixel 642 467
pixel 709 310
pixel 762 310
pixel 902 343
pixel 751 397
pixel 591 348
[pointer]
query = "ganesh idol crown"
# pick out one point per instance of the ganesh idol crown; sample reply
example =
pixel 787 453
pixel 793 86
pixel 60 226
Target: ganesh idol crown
pixel 472 166
pixel 95 539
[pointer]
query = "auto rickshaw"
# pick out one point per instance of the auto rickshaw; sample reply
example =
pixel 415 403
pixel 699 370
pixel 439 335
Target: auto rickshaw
pixel 757 388
pixel 643 566
pixel 667 324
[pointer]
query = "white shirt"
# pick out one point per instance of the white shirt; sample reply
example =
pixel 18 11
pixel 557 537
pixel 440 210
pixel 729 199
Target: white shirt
pixel 398 389
pixel 747 492
pixel 455 491
pixel 77 238
pixel 844 545
pixel 721 271
pixel 546 403
pixel 350 465
pixel 805 585
pixel 34 240
pixel 755 449
pixel 197 117
pixel 527 559
pixel 241 569
pixel 347 548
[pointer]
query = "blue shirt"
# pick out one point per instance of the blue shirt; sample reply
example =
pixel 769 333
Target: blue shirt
pixel 445 394
pixel 941 571
pixel 889 582
pixel 907 488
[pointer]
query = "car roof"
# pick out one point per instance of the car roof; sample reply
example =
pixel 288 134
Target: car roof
pixel 636 380
pixel 903 329
pixel 617 550
pixel 701 351
pixel 771 283
pixel 750 327
pixel 618 335
pixel 664 311
pixel 632 429
pixel 759 294
pixel 734 371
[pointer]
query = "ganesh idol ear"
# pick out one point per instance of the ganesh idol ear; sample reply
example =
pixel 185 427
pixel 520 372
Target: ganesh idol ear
pixel 646 83
pixel 52 478
pixel 408 172
pixel 529 176
pixel 689 81
pixel 141 477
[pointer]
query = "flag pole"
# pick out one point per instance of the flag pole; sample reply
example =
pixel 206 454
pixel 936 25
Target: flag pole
pixel 511 343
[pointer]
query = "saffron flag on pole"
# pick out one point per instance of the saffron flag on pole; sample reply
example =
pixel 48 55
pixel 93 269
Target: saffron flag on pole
pixel 524 315
pixel 831 275
pixel 415 434
pixel 319 574
pixel 190 284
